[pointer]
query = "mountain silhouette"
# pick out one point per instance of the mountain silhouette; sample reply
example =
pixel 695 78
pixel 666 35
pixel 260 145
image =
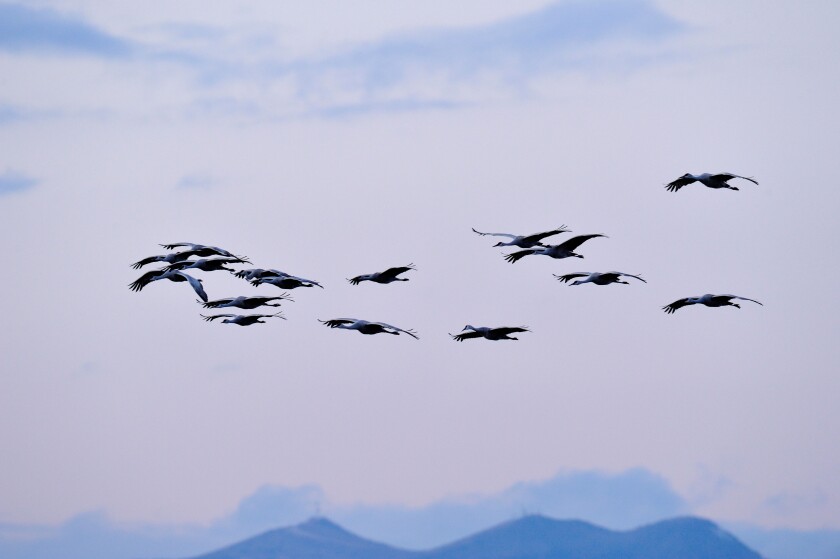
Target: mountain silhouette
pixel 529 537
pixel 317 538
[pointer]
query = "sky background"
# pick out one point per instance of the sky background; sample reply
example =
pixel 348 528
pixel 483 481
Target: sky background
pixel 330 140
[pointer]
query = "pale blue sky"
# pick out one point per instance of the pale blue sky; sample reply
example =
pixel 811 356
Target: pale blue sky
pixel 330 141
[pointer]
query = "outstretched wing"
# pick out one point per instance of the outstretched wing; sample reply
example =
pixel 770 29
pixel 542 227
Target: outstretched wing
pixel 411 333
pixel 181 265
pixel 569 277
pixel 727 176
pixel 514 257
pixel 140 263
pixel 302 280
pixel 394 272
pixel 575 242
pixel 335 322
pixel 678 304
pixel 466 335
pixel 196 285
pixel 248 274
pixel 537 237
pixel 505 330
pixel 215 316
pixel 673 186
pixel 215 304
pixel 176 245
pixel 357 280
pixel 145 280
pixel 495 234
pixel 728 297
pixel 276 315
pixel 617 274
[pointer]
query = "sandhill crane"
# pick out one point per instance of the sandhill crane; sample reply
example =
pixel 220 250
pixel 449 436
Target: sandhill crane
pixel 242 319
pixel 365 327
pixel 171 275
pixel 709 300
pixel 563 250
pixel 244 302
pixel 388 276
pixel 207 264
pixel 717 180
pixel 286 282
pixel 597 278
pixel 500 333
pixel 525 241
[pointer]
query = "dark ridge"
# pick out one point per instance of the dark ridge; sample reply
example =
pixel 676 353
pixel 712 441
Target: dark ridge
pixel 529 537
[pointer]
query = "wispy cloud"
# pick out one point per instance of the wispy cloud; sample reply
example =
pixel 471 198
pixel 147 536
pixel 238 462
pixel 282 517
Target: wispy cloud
pixel 12 182
pixel 25 29
pixel 432 68
pixel 542 40
pixel 436 64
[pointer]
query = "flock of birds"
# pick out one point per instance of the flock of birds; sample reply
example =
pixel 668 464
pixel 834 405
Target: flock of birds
pixel 191 256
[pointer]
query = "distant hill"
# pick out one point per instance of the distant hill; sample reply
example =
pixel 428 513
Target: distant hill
pixel 317 538
pixel 530 537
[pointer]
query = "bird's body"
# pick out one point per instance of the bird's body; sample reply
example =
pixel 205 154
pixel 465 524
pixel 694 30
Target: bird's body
pixel 563 250
pixel 366 327
pixel 525 241
pixel 207 264
pixel 597 278
pixel 499 333
pixel 388 276
pixel 244 302
pixel 712 180
pixel 171 275
pixel 709 300
pixel 242 319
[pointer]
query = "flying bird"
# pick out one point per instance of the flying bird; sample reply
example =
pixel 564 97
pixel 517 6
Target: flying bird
pixel 242 319
pixel 244 302
pixel 365 327
pixel 500 333
pixel 171 275
pixel 207 264
pixel 388 276
pixel 563 250
pixel 597 278
pixel 525 241
pixel 709 300
pixel 717 180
